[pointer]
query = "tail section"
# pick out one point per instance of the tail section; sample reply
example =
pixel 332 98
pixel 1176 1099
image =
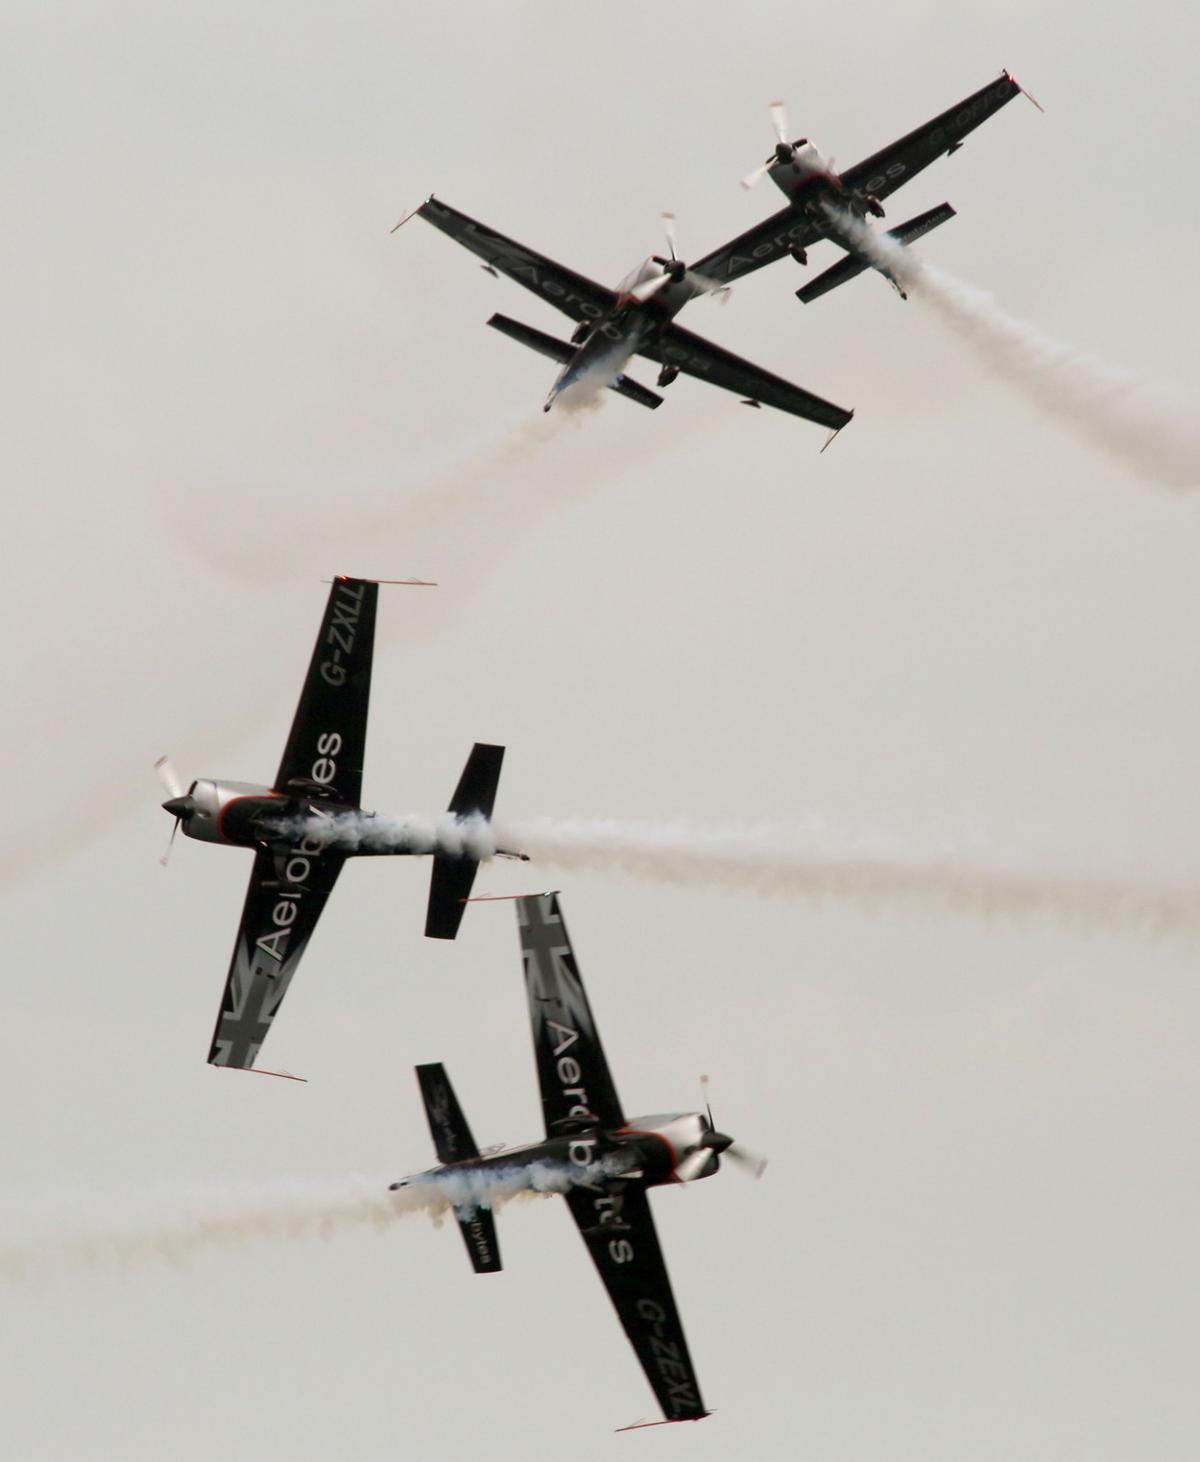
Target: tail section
pixel 563 352
pixel 852 265
pixel 634 391
pixel 454 1143
pixel 544 344
pixel 454 873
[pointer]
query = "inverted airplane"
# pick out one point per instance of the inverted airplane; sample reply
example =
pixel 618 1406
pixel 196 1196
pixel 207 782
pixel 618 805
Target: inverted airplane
pixel 822 200
pixel 612 1159
pixel 291 825
pixel 611 326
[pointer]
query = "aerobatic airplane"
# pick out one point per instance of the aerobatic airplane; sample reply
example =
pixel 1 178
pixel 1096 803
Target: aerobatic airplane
pixel 296 861
pixel 821 199
pixel 612 1158
pixel 637 318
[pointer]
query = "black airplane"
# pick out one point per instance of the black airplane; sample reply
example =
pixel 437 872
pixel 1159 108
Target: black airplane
pixel 612 1159
pixel 821 199
pixel 637 318
pixel 291 825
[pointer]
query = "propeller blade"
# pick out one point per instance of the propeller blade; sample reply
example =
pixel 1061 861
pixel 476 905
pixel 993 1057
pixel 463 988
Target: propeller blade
pixel 702 284
pixel 759 172
pixel 698 1164
pixel 672 236
pixel 649 287
pixel 169 777
pixel 705 1100
pixel 779 121
pixel 745 1157
pixel 170 842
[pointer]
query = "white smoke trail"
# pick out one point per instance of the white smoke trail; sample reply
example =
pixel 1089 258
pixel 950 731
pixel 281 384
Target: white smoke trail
pixel 805 862
pixel 799 864
pixel 586 392
pixel 1141 424
pixel 178 1229
pixel 454 517
pixel 372 832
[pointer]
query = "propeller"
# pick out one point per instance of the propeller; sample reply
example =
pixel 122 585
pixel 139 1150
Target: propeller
pixel 179 803
pixel 784 148
pixel 720 1143
pixel 674 271
pixel 169 777
pixel 170 842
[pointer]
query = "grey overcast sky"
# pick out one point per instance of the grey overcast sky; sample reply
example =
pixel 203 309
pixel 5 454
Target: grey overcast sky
pixel 225 380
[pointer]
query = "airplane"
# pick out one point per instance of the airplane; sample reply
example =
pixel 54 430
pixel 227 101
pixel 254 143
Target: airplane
pixel 821 200
pixel 637 318
pixel 613 1159
pixel 296 863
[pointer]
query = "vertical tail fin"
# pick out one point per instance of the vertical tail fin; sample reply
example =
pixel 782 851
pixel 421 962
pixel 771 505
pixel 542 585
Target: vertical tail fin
pixel 453 874
pixel 454 1143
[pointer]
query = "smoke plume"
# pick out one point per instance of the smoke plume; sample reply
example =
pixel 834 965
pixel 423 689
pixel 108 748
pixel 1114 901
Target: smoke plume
pixel 807 864
pixel 1139 423
pixel 179 1228
pixel 371 832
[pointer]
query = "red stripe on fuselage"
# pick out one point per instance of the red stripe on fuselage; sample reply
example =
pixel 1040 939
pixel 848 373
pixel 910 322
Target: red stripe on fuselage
pixel 641 1132
pixel 246 797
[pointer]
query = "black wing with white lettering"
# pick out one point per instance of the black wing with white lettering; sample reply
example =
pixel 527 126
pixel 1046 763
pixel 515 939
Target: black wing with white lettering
pixel 288 889
pixel 885 171
pixel 567 291
pixel 626 1252
pixel 674 346
pixel 577 1089
pixel 328 741
pixel 767 241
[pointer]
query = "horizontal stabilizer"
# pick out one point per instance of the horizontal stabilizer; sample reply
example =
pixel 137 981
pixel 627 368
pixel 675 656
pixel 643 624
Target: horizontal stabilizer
pixel 626 386
pixel 478 1227
pixel 452 1138
pixel 852 265
pixel 453 874
pixel 558 350
pixel 454 1143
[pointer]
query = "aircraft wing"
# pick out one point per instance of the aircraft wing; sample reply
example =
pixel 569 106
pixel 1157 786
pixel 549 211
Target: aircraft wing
pixel 885 171
pixel 674 346
pixel 627 1255
pixel 766 241
pixel 572 1070
pixel 328 740
pixel 288 889
pixel 567 291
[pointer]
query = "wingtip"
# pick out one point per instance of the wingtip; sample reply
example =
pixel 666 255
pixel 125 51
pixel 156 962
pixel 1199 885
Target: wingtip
pixel 1028 95
pixel 411 213
pixel 837 431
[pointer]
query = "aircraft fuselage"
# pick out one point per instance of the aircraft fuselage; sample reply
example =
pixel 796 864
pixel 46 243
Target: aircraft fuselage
pixel 648 1151
pixel 606 345
pixel 244 815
